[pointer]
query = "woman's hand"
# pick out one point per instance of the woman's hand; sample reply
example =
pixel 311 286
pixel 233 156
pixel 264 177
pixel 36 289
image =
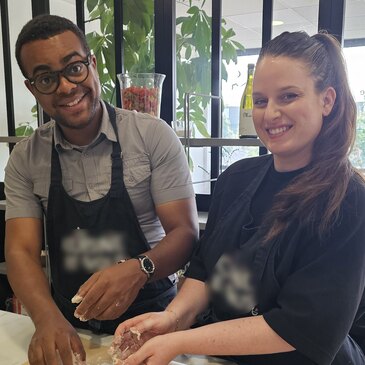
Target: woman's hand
pixel 159 350
pixel 133 334
pixel 155 323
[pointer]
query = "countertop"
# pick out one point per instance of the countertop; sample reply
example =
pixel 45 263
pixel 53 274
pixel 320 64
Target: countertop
pixel 202 216
pixel 16 332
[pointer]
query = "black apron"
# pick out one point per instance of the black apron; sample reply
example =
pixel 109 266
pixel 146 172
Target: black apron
pixel 84 237
pixel 234 226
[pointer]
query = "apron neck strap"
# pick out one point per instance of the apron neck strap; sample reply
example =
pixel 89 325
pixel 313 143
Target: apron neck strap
pixel 117 183
pixel 56 172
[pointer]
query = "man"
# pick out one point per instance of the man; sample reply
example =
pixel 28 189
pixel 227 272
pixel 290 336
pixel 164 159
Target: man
pixel 114 187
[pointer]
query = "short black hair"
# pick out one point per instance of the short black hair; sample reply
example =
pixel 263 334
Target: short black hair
pixel 43 27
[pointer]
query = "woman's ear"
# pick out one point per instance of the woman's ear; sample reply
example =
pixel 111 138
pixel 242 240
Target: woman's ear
pixel 329 98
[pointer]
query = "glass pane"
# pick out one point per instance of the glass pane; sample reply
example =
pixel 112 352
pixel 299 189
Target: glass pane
pixel 23 99
pixel 354 25
pixel 3 114
pixel 295 15
pixel 231 154
pixel 99 30
pixel 138 39
pixel 4 149
pixel 193 75
pixel 138 36
pixel 64 8
pixel 354 51
pixel 200 166
pixel 244 20
pixel 232 90
pixel 139 54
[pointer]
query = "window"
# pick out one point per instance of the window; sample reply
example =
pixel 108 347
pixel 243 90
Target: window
pixel 245 19
pixel 64 8
pixel 23 99
pixel 193 75
pixel 4 150
pixel 99 31
pixel 3 116
pixel 354 52
pixel 295 15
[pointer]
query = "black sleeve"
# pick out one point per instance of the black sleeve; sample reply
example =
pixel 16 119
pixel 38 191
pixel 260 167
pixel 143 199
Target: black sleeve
pixel 197 268
pixel 230 184
pixel 318 302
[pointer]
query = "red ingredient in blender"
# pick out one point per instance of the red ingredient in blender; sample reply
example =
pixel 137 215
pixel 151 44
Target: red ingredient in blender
pixel 141 99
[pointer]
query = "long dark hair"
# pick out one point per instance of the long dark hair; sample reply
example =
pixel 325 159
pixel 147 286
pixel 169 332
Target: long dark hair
pixel 313 199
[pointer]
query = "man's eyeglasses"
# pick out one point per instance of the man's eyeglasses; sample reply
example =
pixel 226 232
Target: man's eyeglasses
pixel 75 72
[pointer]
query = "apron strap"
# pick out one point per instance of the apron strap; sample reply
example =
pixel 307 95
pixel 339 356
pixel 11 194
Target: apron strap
pixel 56 172
pixel 117 183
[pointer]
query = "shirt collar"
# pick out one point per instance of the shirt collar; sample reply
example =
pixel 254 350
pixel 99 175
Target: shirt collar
pixel 106 130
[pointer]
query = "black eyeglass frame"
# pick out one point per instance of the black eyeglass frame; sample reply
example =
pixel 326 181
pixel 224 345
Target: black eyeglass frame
pixel 86 62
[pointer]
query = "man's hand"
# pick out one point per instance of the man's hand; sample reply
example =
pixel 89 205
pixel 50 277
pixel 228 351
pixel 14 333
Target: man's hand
pixel 54 338
pixel 108 293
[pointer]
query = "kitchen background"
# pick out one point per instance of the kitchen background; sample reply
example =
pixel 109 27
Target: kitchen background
pixel 196 54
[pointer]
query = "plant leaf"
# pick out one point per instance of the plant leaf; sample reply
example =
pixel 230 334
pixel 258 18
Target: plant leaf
pixel 201 128
pixel 193 10
pixel 91 4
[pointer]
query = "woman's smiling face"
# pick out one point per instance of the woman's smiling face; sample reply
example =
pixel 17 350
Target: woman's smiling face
pixel 288 111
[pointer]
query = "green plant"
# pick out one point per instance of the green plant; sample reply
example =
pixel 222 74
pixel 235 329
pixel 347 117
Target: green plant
pixel 137 38
pixel 25 129
pixel 358 153
pixel 193 54
pixel 193 60
pixel 102 44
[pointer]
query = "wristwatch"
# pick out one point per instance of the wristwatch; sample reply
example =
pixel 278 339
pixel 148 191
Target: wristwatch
pixel 147 265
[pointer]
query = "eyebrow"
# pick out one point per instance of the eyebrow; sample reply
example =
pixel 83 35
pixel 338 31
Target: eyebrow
pixel 64 60
pixel 280 90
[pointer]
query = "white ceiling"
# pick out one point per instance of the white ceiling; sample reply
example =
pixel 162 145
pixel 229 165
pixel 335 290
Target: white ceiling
pixel 245 17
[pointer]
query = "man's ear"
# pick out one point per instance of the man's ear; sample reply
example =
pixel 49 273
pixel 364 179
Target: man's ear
pixel 329 98
pixel 29 86
pixel 93 60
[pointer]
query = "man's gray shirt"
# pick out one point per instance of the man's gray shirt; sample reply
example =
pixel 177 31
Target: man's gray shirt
pixel 154 166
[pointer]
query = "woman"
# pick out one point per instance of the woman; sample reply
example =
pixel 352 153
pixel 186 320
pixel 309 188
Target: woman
pixel 278 277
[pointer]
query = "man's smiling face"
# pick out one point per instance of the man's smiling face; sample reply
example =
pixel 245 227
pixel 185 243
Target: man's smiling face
pixel 73 106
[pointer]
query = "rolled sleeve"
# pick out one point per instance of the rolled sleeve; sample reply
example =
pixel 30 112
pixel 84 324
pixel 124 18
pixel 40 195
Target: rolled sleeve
pixel 171 179
pixel 196 268
pixel 21 201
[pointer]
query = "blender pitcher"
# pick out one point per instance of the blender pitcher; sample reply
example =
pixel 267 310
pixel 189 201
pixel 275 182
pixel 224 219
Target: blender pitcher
pixel 141 92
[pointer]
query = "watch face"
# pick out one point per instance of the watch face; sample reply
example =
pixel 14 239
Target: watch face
pixel 148 265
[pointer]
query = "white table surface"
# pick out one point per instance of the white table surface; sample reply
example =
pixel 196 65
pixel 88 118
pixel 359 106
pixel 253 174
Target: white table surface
pixel 17 330
pixel 15 334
